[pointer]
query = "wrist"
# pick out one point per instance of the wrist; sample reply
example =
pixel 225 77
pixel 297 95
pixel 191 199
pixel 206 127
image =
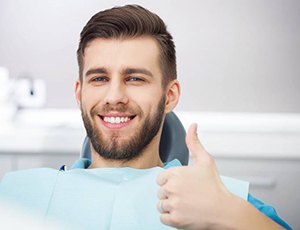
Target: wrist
pixel 231 211
pixel 240 214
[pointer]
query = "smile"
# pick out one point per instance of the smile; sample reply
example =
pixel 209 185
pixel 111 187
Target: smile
pixel 116 120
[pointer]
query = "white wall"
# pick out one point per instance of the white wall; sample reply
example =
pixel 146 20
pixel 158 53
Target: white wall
pixel 232 55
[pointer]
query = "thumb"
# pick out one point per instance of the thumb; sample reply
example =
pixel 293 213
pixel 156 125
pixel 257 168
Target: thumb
pixel 194 145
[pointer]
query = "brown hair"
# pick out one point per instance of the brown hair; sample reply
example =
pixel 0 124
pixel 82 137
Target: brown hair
pixel 131 21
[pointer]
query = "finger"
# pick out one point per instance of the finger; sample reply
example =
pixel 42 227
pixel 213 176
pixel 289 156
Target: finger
pixel 165 218
pixel 162 194
pixel 168 219
pixel 163 206
pixel 168 174
pixel 160 206
pixel 194 145
pixel 191 134
pixel 162 178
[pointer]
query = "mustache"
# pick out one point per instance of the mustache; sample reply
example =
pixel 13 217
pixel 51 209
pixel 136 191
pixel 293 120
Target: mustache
pixel 121 108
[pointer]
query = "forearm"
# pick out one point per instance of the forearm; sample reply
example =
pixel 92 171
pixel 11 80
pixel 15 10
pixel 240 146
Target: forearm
pixel 241 214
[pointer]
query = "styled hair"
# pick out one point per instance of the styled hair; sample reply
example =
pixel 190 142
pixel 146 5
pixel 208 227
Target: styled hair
pixel 130 21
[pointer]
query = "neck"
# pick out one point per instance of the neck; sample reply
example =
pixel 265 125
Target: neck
pixel 149 158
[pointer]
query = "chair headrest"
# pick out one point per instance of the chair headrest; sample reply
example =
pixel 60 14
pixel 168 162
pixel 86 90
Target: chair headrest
pixel 172 144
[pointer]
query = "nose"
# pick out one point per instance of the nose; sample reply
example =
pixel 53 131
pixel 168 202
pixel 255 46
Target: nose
pixel 116 94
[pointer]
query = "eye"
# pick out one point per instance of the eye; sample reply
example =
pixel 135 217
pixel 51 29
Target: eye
pixel 100 79
pixel 134 79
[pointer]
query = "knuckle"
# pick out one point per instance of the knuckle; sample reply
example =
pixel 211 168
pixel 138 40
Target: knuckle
pixel 172 187
pixel 158 206
pixel 209 160
pixel 161 178
pixel 175 220
pixel 164 220
pixel 159 193
pixel 175 203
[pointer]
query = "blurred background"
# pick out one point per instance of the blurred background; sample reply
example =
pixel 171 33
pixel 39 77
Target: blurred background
pixel 232 55
pixel 238 64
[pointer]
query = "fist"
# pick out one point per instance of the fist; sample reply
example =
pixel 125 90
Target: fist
pixel 192 197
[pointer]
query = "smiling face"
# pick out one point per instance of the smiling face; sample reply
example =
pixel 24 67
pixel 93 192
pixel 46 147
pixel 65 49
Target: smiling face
pixel 121 96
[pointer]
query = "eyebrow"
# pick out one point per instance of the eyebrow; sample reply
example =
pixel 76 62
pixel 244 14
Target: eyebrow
pixel 96 71
pixel 126 71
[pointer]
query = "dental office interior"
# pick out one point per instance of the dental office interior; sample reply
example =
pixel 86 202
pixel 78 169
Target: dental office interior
pixel 238 64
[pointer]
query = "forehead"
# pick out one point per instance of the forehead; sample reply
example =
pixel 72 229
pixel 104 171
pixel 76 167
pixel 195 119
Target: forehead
pixel 113 54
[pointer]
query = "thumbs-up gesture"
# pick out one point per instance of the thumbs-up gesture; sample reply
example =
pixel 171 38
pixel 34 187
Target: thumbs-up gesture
pixel 192 197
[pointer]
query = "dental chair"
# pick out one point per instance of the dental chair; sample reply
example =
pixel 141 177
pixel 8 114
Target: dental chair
pixel 172 144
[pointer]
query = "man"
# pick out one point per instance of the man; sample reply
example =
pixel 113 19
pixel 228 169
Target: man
pixel 127 84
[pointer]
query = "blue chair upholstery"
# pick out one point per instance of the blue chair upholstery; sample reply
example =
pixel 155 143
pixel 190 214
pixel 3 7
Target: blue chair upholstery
pixel 172 144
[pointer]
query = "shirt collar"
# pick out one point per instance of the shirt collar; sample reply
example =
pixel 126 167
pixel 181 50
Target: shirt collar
pixel 84 163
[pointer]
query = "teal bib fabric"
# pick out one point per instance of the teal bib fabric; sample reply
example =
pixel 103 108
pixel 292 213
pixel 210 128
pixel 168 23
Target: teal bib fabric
pixel 109 198
pixel 102 198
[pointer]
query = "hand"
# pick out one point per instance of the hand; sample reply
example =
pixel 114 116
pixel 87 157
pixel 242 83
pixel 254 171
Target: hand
pixel 193 197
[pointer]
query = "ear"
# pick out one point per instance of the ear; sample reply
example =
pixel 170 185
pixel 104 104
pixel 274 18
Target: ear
pixel 172 95
pixel 78 92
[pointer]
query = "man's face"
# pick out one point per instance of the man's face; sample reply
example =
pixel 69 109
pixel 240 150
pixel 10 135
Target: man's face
pixel 121 95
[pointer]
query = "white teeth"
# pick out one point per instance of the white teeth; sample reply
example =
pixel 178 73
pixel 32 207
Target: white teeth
pixel 116 120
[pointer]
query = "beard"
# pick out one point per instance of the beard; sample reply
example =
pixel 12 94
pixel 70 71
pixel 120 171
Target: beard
pixel 112 148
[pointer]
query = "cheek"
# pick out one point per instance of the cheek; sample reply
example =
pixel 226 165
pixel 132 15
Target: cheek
pixel 89 98
pixel 149 102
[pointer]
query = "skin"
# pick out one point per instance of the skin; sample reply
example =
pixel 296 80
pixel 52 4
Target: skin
pixel 190 197
pixel 124 72
pixel 194 197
